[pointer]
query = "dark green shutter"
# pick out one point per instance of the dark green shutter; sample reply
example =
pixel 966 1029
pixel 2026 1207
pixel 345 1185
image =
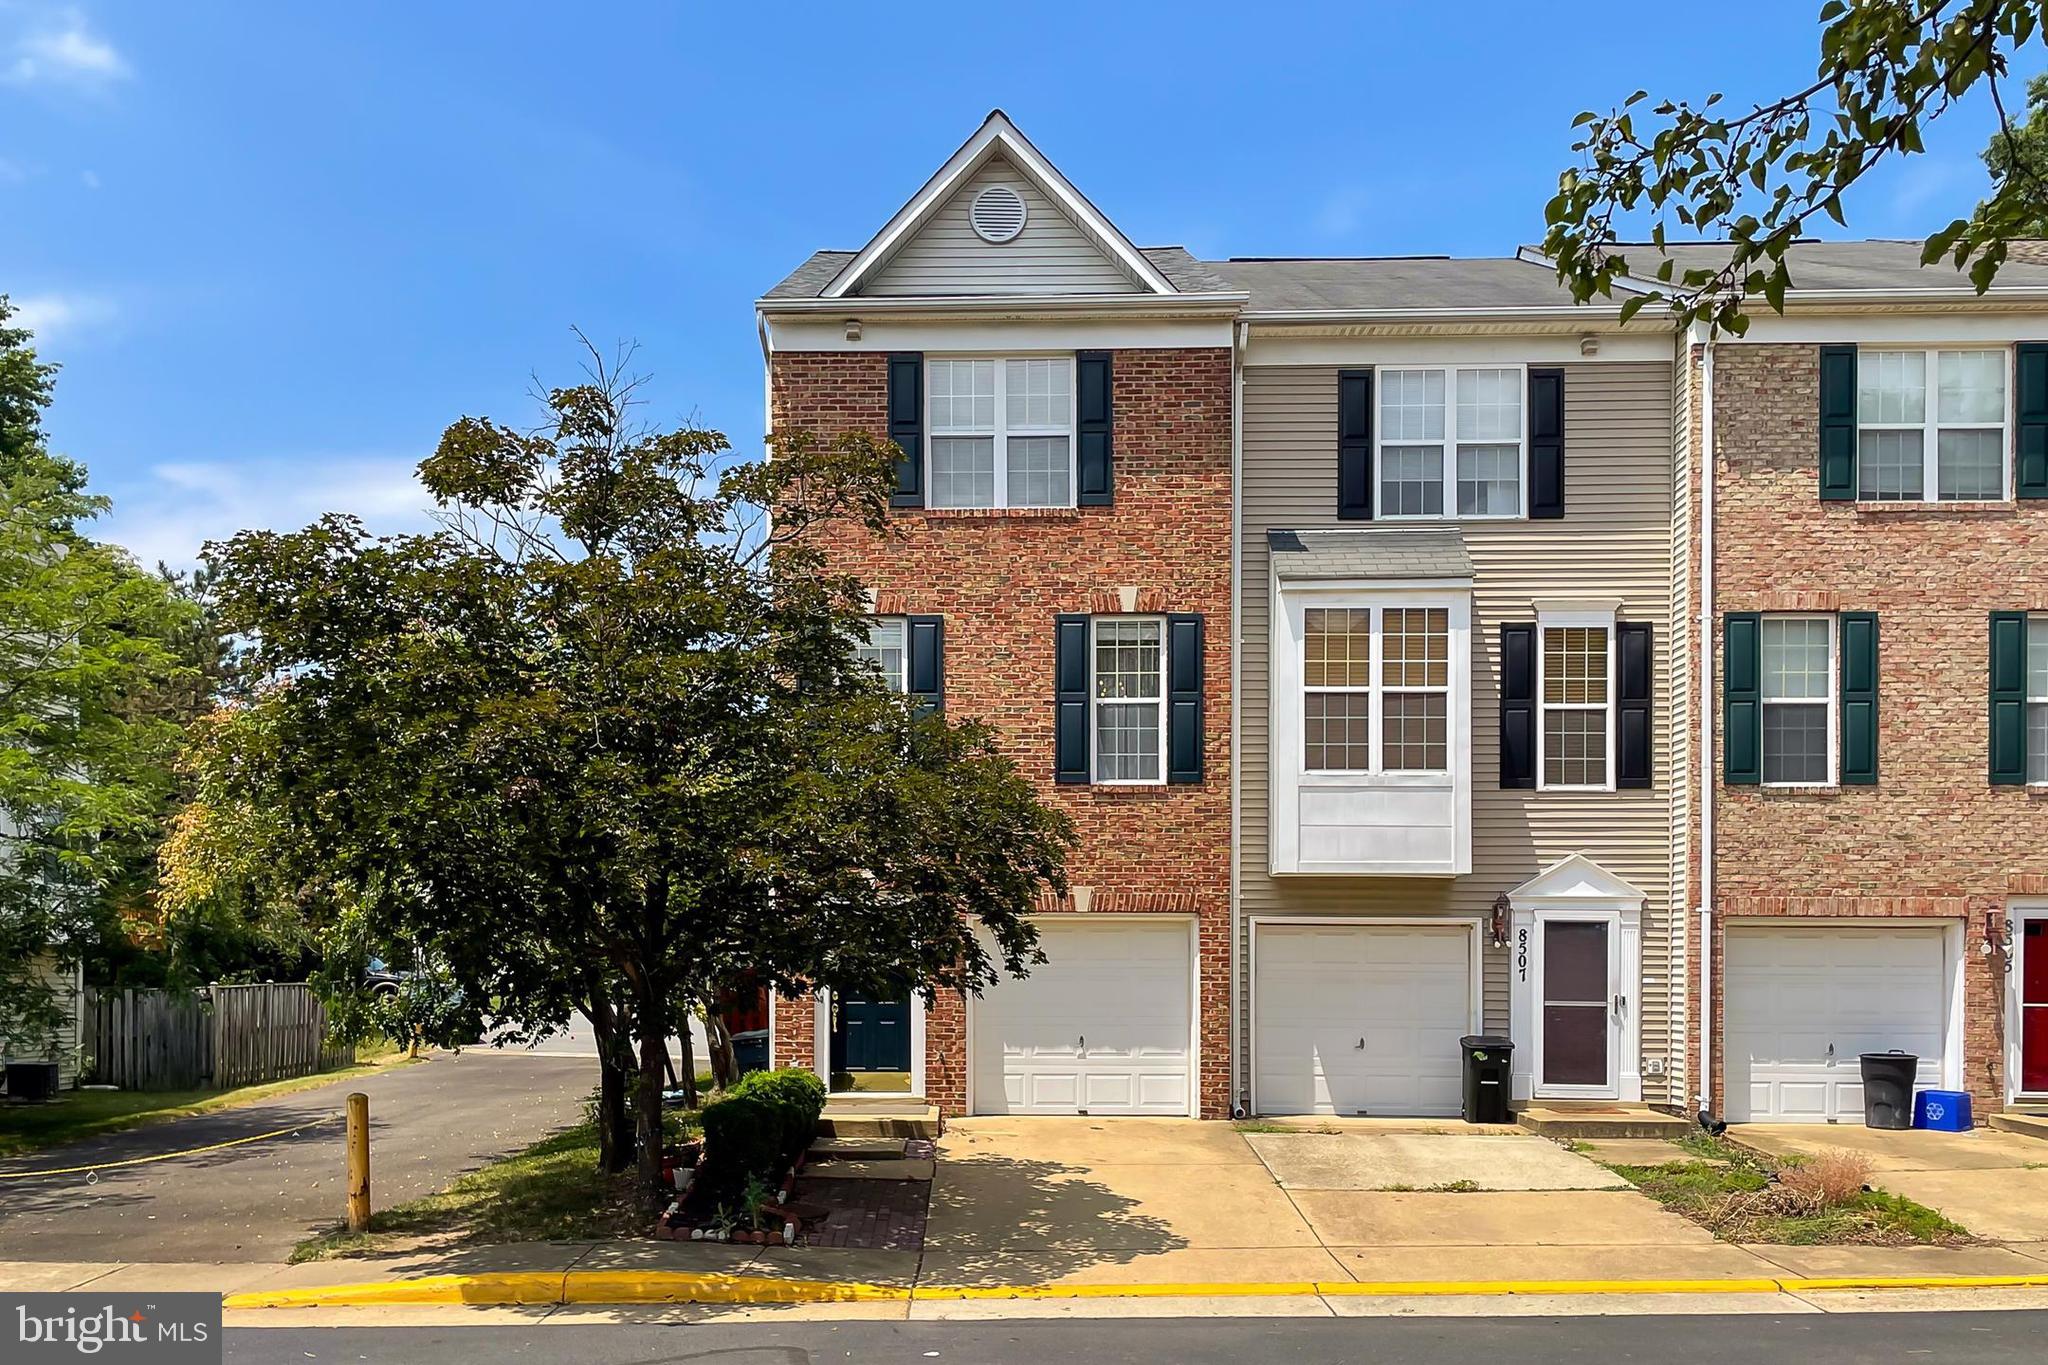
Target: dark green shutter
pixel 1184 697
pixel 1742 737
pixel 1354 445
pixel 1859 698
pixel 1517 707
pixel 1546 444
pixel 1070 699
pixel 927 662
pixel 1632 674
pixel 1838 423
pixel 1095 426
pixel 906 427
pixel 2008 698
pixel 2030 442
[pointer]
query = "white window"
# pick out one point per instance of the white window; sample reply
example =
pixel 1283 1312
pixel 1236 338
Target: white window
pixel 1128 687
pixel 1799 701
pixel 2037 700
pixel 1451 442
pixel 1390 665
pixel 1931 426
pixel 1002 432
pixel 885 648
pixel 1576 685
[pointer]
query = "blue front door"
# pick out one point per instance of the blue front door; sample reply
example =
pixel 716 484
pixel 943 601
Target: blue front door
pixel 870 1035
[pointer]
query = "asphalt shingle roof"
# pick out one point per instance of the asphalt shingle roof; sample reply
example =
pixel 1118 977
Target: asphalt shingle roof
pixel 1393 283
pixel 1873 265
pixel 1383 552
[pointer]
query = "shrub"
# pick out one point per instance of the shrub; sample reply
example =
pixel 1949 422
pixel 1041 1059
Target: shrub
pixel 756 1129
pixel 797 1096
pixel 1826 1181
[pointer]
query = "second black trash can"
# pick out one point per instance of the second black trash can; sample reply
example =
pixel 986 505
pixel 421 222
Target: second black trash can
pixel 1888 1089
pixel 1487 1067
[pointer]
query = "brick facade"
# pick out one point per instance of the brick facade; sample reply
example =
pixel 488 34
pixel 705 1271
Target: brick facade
pixel 999 578
pixel 1933 839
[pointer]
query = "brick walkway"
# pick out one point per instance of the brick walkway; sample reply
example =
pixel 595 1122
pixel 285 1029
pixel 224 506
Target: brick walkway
pixel 867 1215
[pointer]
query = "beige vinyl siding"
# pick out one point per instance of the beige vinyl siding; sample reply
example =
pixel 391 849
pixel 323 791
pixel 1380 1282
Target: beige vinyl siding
pixel 1615 541
pixel 66 982
pixel 1050 256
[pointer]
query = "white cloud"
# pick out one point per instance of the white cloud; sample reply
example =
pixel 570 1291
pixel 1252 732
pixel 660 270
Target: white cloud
pixel 175 508
pixel 55 316
pixel 58 48
pixel 89 179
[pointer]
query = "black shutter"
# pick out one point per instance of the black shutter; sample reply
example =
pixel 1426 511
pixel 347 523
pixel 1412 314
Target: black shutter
pixel 1070 699
pixel 1838 423
pixel 2030 442
pixel 1518 706
pixel 1095 427
pixel 1546 445
pixel 1184 698
pixel 927 647
pixel 906 426
pixel 1859 698
pixel 2008 698
pixel 1354 445
pixel 1742 701
pixel 1632 705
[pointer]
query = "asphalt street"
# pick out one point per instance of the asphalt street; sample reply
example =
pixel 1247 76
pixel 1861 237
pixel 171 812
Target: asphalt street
pixel 429 1123
pixel 1994 1338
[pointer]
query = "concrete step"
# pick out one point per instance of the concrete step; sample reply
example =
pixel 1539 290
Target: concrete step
pixel 1601 1121
pixel 864 1123
pixel 2026 1125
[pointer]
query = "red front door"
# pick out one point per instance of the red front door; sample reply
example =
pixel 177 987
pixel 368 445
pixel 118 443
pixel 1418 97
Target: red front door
pixel 2032 941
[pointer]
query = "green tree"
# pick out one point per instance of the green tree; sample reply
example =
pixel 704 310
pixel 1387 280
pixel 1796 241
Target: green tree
pixel 605 738
pixel 2017 155
pixel 87 641
pixel 1761 178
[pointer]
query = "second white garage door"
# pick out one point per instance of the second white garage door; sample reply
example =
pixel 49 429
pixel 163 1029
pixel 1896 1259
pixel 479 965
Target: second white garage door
pixel 1360 1019
pixel 1801 1005
pixel 1101 1027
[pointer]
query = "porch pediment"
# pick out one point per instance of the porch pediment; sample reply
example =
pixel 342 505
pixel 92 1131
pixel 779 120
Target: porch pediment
pixel 1576 878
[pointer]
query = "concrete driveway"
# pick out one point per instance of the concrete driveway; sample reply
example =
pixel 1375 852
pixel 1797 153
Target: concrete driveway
pixel 1036 1201
pixel 1993 1183
pixel 429 1123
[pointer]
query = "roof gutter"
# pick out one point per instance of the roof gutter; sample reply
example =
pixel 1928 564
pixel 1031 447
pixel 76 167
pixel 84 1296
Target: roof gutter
pixel 1542 312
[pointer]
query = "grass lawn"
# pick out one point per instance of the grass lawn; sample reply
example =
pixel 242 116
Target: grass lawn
pixel 1729 1190
pixel 551 1191
pixel 28 1128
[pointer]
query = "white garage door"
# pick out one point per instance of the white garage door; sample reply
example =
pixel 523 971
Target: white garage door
pixel 1360 1019
pixel 1100 1028
pixel 1801 1004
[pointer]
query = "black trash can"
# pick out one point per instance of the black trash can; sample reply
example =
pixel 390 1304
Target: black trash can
pixel 1487 1068
pixel 1888 1089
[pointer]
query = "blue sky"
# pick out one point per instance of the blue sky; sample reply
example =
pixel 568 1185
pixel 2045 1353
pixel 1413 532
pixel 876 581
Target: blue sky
pixel 277 247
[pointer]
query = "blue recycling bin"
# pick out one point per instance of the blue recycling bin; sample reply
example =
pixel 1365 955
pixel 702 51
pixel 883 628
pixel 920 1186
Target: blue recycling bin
pixel 1945 1111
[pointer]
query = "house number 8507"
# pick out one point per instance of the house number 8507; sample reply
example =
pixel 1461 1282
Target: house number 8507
pixel 1522 953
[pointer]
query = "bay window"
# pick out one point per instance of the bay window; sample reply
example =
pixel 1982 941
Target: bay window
pixel 1409 689
pixel 1002 432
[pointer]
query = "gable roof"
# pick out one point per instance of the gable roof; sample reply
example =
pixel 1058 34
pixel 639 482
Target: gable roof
pixel 997 136
pixel 1576 877
pixel 1188 275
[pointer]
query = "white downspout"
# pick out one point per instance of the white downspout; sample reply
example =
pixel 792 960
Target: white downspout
pixel 1240 335
pixel 1706 694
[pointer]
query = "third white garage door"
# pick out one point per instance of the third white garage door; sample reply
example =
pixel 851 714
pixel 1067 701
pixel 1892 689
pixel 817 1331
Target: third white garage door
pixel 1102 1026
pixel 1801 1004
pixel 1360 1019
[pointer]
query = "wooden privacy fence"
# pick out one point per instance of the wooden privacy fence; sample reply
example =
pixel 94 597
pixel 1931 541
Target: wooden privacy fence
pixel 219 1037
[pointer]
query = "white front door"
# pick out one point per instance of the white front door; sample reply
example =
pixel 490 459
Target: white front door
pixel 1361 1018
pixel 1580 1006
pixel 1802 1003
pixel 1101 1027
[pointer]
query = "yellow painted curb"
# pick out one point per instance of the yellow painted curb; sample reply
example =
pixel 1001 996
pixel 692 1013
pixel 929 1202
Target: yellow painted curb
pixel 663 1286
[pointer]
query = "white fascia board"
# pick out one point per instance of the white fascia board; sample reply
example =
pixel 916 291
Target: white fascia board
pixel 1002 335
pixel 1014 305
pixel 1929 328
pixel 996 132
pixel 1275 346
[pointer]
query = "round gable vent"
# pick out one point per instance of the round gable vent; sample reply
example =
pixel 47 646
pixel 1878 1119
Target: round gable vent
pixel 997 214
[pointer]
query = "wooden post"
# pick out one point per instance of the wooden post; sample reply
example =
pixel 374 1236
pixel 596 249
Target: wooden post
pixel 358 1162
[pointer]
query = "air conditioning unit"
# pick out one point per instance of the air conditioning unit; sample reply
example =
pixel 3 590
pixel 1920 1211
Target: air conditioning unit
pixel 32 1080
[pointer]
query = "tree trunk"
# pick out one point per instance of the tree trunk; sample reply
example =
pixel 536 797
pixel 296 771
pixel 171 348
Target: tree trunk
pixel 689 1057
pixel 653 1024
pixel 614 1151
pixel 719 1037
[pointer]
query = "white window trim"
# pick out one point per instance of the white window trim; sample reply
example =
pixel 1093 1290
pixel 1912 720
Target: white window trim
pixel 1001 432
pixel 1096 703
pixel 2035 621
pixel 1546 621
pixel 901 682
pixel 1376 690
pixel 1447 447
pixel 1931 426
pixel 1833 700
